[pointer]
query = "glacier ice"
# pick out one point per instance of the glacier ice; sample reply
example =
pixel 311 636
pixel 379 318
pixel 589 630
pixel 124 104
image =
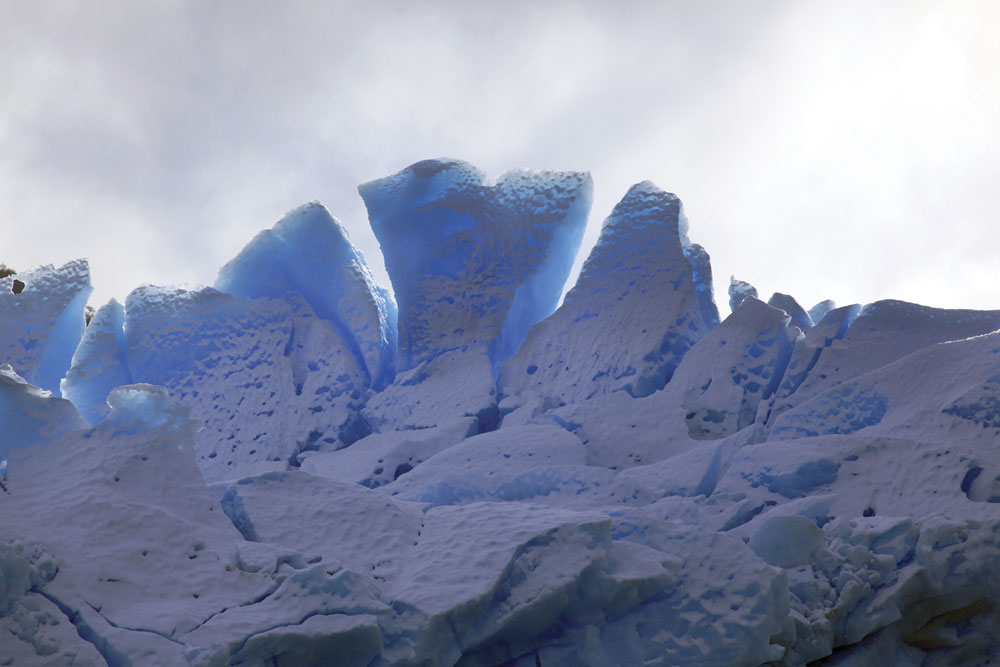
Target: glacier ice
pixel 787 303
pixel 474 265
pixel 31 416
pixel 99 363
pixel 819 311
pixel 892 399
pixel 381 458
pixel 639 284
pixel 850 341
pixel 308 254
pixel 246 480
pixel 41 325
pixel 715 393
pixel 461 383
pixel 481 466
pixel 739 290
pixel 268 376
pixel 277 361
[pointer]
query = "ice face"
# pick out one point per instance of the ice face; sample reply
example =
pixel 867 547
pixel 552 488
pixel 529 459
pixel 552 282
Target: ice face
pixel 738 291
pixel 473 265
pixel 715 393
pixel 638 285
pixel 701 275
pixel 30 416
pixel 787 303
pixel 817 312
pixel 308 252
pixel 269 377
pixel 41 326
pixel 99 363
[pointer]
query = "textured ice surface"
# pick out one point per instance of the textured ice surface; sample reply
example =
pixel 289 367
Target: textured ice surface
pixel 785 499
pixel 33 630
pixel 638 285
pixel 30 416
pixel 41 326
pixel 268 377
pixel 488 465
pixel 714 393
pixel 474 265
pixel 308 253
pixel 454 385
pixel 99 363
pixel 851 341
pixel 380 458
pixel 142 544
pixel 733 369
pixel 896 399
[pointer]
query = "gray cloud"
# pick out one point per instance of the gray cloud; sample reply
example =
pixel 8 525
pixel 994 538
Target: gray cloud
pixel 844 150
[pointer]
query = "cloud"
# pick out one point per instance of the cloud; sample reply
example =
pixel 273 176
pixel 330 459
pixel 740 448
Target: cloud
pixel 825 149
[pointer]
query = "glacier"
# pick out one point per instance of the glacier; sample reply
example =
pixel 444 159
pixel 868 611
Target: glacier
pixel 287 469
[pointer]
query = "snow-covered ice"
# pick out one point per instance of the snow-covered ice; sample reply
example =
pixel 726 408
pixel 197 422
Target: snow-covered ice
pixel 239 475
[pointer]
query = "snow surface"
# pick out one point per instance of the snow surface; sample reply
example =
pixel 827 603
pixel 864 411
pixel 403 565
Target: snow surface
pixel 255 488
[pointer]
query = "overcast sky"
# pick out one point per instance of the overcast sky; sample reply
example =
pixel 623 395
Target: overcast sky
pixel 846 150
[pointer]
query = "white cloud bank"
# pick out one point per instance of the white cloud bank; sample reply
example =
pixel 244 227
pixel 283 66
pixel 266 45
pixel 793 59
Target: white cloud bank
pixel 845 150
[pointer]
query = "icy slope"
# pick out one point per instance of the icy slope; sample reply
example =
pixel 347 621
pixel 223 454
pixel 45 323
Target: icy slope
pixel 474 265
pixel 714 393
pixel 644 283
pixel 852 340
